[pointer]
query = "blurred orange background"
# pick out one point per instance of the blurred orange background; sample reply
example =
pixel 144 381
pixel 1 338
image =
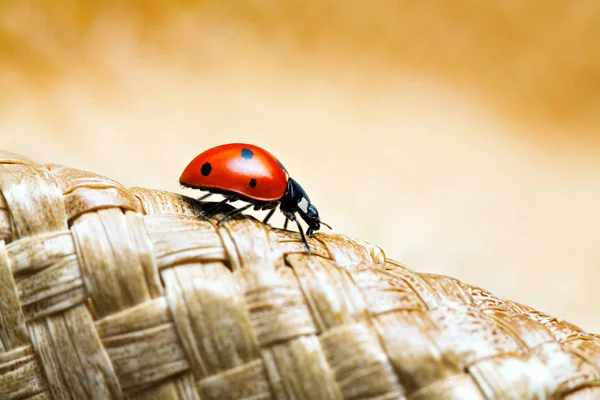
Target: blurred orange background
pixel 462 137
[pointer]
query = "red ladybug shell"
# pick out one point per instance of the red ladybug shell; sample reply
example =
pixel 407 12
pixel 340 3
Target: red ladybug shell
pixel 240 168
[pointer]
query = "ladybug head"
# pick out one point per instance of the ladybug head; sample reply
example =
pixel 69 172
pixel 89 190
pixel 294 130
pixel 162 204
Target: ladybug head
pixel 311 217
pixel 297 200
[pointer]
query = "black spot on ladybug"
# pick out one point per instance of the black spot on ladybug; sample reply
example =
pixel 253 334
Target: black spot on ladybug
pixel 206 168
pixel 253 182
pixel 281 165
pixel 247 154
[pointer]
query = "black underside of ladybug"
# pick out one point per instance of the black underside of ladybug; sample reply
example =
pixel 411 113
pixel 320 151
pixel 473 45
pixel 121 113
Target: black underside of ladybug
pixel 287 204
pixel 229 194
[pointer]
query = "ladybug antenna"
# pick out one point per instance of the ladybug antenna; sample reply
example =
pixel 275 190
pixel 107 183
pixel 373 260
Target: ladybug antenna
pixel 326 224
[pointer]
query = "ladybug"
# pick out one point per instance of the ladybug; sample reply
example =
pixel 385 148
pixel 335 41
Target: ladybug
pixel 249 173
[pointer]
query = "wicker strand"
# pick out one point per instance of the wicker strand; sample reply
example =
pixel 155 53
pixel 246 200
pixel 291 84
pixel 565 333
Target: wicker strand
pixel 110 292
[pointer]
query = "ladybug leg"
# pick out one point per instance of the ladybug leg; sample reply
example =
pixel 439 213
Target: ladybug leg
pixel 285 224
pixel 215 208
pixel 302 235
pixel 269 215
pixel 234 212
pixel 207 213
pixel 204 197
pixel 292 216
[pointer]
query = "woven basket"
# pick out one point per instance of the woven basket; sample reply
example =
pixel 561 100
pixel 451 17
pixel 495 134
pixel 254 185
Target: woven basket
pixel 110 292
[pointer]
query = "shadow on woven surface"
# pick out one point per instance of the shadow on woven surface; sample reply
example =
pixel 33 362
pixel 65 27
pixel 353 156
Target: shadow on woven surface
pixel 118 292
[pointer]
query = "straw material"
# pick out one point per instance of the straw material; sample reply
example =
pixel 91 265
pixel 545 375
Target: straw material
pixel 110 292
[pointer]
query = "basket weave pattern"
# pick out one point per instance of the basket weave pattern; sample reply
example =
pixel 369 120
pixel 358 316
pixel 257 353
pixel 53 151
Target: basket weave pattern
pixel 110 292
